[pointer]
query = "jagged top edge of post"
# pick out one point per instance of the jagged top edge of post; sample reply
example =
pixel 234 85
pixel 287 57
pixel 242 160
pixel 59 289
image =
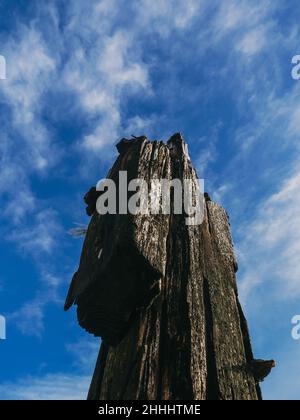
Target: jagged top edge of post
pixel 176 141
pixel 175 138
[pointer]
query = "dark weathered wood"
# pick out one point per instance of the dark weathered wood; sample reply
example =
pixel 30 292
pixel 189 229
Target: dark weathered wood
pixel 163 295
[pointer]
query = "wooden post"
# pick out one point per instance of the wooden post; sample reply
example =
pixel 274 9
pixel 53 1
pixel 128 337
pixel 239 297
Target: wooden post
pixel 162 294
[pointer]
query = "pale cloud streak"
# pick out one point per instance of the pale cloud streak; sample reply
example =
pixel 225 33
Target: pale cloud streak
pixel 39 238
pixel 53 387
pixel 253 41
pixel 271 244
pixel 30 72
pixel 99 82
pixel 38 241
pixel 163 16
pixel 58 386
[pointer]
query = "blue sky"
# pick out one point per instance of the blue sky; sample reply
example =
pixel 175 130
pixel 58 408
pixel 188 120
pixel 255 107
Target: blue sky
pixel 80 75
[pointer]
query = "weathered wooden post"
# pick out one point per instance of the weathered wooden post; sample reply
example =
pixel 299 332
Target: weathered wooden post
pixel 162 294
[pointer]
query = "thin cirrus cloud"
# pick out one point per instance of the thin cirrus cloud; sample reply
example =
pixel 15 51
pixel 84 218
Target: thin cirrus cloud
pixel 29 318
pixel 39 238
pixel 60 385
pixel 116 72
pixel 252 42
pixel 53 387
pixel 274 240
pixel 30 68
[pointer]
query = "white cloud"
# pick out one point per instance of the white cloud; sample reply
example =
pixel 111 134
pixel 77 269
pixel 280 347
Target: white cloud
pixel 53 387
pixel 247 28
pixel 29 70
pixel 26 143
pixel 240 14
pixel 294 125
pixel 164 16
pixel 29 74
pixel 253 41
pixel 13 176
pixel 220 192
pixel 85 353
pixel 114 65
pixel 58 386
pixel 102 77
pixel 39 238
pixel 271 244
pixel 139 126
pixel 208 146
pixel 29 318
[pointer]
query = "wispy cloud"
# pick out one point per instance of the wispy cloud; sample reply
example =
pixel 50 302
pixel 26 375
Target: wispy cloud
pixel 37 241
pixel 163 17
pixel 53 387
pixel 39 238
pixel 29 318
pixel 253 41
pixel 271 243
pixel 237 14
pixel 30 72
pixel 117 71
pixel 58 386
pixel 85 353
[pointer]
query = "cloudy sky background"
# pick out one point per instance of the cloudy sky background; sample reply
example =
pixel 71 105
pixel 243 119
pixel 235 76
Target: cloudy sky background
pixel 80 75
